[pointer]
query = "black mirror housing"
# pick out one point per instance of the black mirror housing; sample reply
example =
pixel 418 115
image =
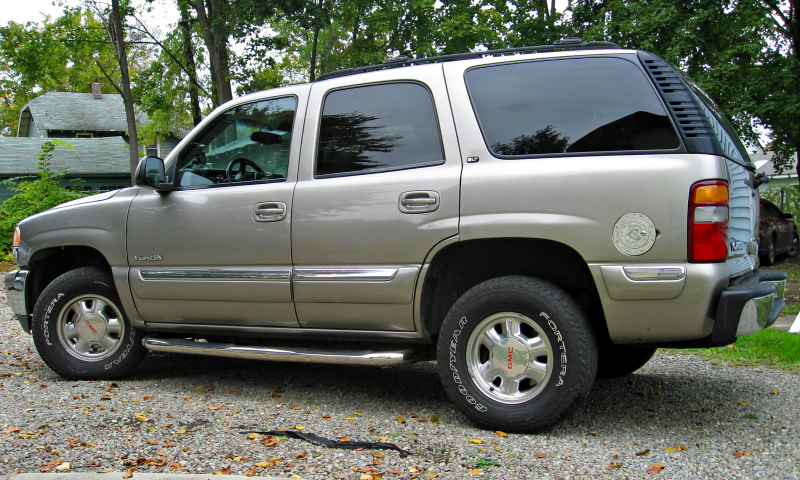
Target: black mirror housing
pixel 150 173
pixel 266 138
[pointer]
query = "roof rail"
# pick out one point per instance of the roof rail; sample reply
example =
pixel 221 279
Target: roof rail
pixel 402 60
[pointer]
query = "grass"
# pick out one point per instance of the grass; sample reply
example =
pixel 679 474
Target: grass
pixel 770 347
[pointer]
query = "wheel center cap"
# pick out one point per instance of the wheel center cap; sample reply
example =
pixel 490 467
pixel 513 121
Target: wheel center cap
pixel 511 356
pixel 91 327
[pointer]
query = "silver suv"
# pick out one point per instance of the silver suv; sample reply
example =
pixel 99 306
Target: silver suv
pixel 530 218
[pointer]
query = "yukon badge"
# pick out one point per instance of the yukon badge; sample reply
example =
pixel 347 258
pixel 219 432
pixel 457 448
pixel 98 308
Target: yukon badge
pixel 148 258
pixel 634 234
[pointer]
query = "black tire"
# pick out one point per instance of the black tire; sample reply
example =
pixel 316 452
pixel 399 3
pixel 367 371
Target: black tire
pixel 618 361
pixel 549 318
pixel 768 258
pixel 795 249
pixel 60 333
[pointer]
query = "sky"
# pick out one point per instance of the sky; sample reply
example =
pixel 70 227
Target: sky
pixel 22 11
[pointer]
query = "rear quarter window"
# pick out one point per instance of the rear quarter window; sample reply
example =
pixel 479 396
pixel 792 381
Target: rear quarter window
pixel 568 106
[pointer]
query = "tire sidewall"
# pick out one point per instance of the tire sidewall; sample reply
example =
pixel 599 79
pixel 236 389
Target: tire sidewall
pixel 560 389
pixel 51 303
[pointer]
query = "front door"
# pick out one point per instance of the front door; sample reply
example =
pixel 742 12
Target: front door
pixel 216 250
pixel 378 189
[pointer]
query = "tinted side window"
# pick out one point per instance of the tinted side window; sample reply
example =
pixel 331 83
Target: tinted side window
pixel 569 106
pixel 378 127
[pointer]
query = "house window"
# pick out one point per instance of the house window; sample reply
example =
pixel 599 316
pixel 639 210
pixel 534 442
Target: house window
pixel 80 188
pixel 109 188
pixel 84 135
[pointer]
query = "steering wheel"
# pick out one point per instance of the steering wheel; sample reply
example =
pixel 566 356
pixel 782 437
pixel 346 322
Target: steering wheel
pixel 230 174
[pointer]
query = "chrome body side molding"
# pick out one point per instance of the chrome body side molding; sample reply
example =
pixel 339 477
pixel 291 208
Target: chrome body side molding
pixel 655 273
pixel 343 357
pixel 216 274
pixel 345 274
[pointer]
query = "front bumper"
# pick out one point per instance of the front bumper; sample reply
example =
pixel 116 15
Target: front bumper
pixel 748 306
pixel 16 281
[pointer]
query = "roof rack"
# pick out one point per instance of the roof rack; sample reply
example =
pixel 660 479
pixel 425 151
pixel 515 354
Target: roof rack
pixel 402 60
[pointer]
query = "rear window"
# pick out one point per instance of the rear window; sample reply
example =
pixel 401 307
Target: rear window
pixel 568 106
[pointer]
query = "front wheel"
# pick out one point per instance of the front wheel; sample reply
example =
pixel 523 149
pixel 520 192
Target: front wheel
pixel 515 353
pixel 768 257
pixel 795 249
pixel 80 330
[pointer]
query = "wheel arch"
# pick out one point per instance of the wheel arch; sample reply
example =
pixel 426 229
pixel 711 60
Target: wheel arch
pixel 461 265
pixel 48 264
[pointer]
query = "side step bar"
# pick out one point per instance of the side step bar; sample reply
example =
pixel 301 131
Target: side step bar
pixel 342 357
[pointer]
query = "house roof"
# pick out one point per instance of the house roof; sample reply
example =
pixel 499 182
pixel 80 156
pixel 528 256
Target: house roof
pixel 89 156
pixel 76 112
pixel 767 166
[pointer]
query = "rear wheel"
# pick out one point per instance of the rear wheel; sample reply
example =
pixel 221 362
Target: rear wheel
pixel 515 353
pixel 80 330
pixel 618 361
pixel 795 249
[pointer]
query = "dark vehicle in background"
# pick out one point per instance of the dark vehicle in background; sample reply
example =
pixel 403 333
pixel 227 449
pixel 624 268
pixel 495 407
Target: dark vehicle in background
pixel 778 234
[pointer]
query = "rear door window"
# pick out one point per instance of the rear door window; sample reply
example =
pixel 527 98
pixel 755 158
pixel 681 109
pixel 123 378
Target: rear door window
pixel 569 106
pixel 377 128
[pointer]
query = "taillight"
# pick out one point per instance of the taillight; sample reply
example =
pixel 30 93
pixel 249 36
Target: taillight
pixel 708 221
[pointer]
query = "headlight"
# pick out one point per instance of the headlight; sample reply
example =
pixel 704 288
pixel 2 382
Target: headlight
pixel 17 239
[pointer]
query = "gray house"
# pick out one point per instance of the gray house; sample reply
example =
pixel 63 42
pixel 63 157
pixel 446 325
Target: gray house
pixel 102 164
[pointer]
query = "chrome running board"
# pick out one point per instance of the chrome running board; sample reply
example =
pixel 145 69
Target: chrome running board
pixel 342 357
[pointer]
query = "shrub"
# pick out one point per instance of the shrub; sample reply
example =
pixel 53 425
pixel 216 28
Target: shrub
pixel 33 196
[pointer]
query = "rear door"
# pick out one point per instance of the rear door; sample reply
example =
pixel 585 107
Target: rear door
pixel 378 188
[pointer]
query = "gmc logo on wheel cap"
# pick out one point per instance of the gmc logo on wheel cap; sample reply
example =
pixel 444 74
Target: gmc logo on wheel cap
pixel 510 358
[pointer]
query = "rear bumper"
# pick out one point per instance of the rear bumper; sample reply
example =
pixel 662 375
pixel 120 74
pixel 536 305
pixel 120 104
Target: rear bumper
pixel 749 305
pixel 15 282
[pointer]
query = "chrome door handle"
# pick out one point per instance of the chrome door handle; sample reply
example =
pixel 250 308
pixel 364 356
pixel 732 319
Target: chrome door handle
pixel 421 201
pixel 269 212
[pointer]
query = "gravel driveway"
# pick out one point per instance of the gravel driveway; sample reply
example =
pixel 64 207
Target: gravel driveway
pixel 694 418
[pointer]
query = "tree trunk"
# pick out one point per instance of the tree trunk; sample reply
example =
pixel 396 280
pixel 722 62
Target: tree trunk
pixel 312 74
pixel 210 14
pixel 188 52
pixel 125 79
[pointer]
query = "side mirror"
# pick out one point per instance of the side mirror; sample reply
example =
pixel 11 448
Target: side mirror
pixel 787 216
pixel 150 173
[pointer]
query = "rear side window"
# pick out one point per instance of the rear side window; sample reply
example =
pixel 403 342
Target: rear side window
pixel 377 128
pixel 569 106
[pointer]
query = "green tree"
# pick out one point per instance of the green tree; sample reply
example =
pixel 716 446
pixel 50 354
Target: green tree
pixel 33 196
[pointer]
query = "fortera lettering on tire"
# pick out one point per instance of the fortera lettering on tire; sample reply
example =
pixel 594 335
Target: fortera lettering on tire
pixel 561 347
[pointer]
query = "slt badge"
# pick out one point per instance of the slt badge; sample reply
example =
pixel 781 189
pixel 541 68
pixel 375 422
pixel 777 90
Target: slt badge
pixel 634 234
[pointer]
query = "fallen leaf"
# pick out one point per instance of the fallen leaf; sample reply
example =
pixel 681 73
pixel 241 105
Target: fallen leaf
pixel 167 443
pixel 681 448
pixel 366 476
pixel 378 454
pixel 614 465
pixel 401 420
pixel 64 467
pixel 269 441
pixel 747 454
pixel 250 473
pixel 775 392
pixel 669 450
pixel 275 460
pixel 432 475
pixel 300 455
pixel 141 417
pixel 435 418
pixel 161 452
pixel 737 454
pixel 264 464
pixel 252 436
pixel 11 430
pixel 343 439
pixel 643 452
pixel 224 471
pixel 151 441
pixel 501 434
pixel 326 416
pixel 657 467
pixel 298 427
pixel 474 472
pixel 350 418
pixel 181 431
pixel 700 410
pixel 218 407
pixel 594 434
pixel 45 469
pixel 129 473
pixel 475 440
pixel 743 403
pixel 541 455
pixel 174 466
